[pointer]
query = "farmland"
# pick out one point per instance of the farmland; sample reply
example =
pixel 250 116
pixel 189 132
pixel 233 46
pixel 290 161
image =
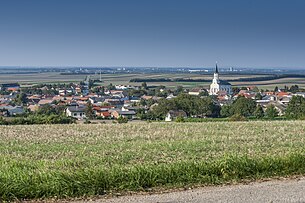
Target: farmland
pixel 124 78
pixel 43 161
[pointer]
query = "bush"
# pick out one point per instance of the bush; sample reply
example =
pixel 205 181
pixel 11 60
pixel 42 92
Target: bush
pixel 122 120
pixel 87 121
pixel 237 117
pixel 38 119
pixel 271 112
pixel 180 119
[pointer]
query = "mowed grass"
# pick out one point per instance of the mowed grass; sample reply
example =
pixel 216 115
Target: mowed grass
pixel 63 161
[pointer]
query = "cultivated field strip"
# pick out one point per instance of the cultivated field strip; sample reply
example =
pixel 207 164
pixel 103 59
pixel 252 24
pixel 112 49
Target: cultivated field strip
pixel 42 161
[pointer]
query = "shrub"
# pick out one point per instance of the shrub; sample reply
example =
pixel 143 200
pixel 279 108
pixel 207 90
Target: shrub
pixel 180 119
pixel 237 117
pixel 122 120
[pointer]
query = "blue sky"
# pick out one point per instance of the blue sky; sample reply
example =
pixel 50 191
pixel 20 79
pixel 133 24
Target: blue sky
pixel 175 33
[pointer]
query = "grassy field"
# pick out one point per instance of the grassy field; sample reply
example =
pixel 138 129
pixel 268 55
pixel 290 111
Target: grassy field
pixel 55 77
pixel 44 161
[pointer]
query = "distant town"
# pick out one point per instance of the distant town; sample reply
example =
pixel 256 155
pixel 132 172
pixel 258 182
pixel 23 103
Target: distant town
pixel 85 101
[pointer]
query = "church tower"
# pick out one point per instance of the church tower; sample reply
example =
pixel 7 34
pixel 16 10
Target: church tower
pixel 216 75
pixel 219 85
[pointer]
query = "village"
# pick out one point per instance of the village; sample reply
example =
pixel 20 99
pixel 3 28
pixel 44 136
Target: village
pixel 86 101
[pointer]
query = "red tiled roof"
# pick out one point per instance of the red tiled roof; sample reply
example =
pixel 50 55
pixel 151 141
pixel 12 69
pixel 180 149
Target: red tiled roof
pixel 105 114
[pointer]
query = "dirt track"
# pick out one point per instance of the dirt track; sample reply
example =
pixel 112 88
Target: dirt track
pixel 269 191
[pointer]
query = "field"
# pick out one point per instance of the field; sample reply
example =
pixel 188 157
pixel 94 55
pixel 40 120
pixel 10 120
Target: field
pixel 123 79
pixel 63 161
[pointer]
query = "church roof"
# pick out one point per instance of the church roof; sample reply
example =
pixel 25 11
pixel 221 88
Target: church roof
pixel 216 69
pixel 223 82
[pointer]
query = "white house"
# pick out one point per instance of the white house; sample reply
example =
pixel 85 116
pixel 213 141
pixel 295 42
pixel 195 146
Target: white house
pixel 171 115
pixel 76 112
pixel 219 85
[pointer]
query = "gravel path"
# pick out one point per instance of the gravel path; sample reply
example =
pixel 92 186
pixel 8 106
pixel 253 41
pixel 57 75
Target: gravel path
pixel 269 191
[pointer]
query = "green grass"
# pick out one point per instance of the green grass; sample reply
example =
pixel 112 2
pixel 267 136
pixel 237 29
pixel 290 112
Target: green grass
pixel 45 161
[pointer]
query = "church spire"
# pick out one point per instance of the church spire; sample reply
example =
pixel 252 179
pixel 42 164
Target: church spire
pixel 216 69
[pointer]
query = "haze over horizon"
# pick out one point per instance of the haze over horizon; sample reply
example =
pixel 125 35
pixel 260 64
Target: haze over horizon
pixel 159 33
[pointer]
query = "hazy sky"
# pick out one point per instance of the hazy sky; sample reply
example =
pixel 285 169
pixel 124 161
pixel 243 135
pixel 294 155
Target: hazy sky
pixel 192 33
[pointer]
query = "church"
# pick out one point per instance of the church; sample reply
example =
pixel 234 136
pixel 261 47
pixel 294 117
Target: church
pixel 218 86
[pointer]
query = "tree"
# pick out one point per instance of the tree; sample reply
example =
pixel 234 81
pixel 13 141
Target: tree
pixel 204 93
pixel 294 88
pixel 89 110
pixel 226 111
pixel 21 99
pixel 122 119
pixel 178 90
pixel 144 85
pixel 243 106
pixel 255 89
pixel 258 96
pixel 296 108
pixel 271 111
pixel 259 112
pixel 286 88
pixel 111 87
pixel 190 104
pixel 235 90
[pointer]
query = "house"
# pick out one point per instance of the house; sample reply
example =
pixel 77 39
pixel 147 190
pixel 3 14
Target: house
pixel 125 114
pixel 76 112
pixel 94 100
pixel 12 110
pixel 33 107
pixel 115 102
pixel 171 96
pixel 196 91
pixel 132 108
pixel 278 105
pixel 105 115
pixel 10 87
pixel 302 94
pixel 134 99
pixel 45 101
pixel 172 115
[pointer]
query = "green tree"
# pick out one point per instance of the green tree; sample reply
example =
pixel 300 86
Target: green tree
pixel 243 106
pixel 271 111
pixel 89 110
pixel 144 85
pixel 190 104
pixel 255 89
pixel 258 96
pixel 178 90
pixel 226 111
pixel 294 88
pixel 259 112
pixel 21 99
pixel 296 108
pixel 111 87
pixel 204 93
pixel 122 120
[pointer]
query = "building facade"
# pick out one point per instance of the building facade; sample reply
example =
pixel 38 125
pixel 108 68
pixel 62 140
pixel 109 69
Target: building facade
pixel 218 85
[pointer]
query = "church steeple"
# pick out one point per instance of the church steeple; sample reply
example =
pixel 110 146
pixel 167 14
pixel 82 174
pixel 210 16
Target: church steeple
pixel 216 75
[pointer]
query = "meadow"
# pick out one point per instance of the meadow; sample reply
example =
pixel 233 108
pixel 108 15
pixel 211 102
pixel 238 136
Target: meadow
pixel 79 160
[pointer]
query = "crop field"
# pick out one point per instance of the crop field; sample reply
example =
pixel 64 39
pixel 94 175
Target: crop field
pixel 123 79
pixel 63 161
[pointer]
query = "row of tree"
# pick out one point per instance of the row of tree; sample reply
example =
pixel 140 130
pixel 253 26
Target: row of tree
pixel 195 106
